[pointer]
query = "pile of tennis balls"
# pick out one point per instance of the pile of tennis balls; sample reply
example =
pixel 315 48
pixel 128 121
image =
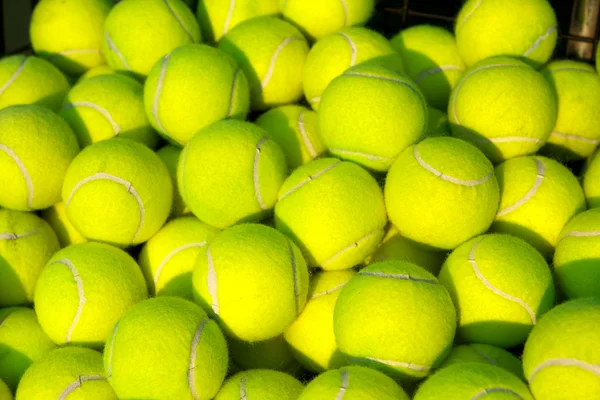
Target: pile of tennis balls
pixel 265 200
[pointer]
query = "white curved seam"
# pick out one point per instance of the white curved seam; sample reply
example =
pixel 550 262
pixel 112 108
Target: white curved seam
pixel 328 291
pixel 487 391
pixel 157 93
pixel 383 78
pixel 115 50
pixel 436 70
pixel 116 128
pixel 404 277
pixel 111 350
pixel 180 171
pixel 28 182
pixel 345 6
pixel 76 51
pixel 232 94
pixel 308 179
pixel 539 179
pixel 243 395
pixel 294 276
pixel 273 61
pixel 344 385
pixel 307 143
pixel 80 294
pixel 508 139
pixel 466 18
pixel 211 278
pixel 566 235
pixel 179 20
pixel 316 99
pixel 371 157
pixel 352 245
pixel 565 362
pixel 401 364
pixel 448 178
pixel 353 48
pixel 572 69
pixel 77 384
pixel 575 137
pixel 193 355
pixel 15 236
pixel 485 356
pixel 171 255
pixel 13 77
pixel 540 39
pixel 229 15
pixel 255 175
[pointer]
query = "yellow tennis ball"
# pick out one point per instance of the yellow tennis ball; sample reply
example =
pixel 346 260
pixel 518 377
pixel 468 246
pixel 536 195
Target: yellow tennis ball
pixel 166 348
pixel 359 111
pixel 36 147
pixel 26 243
pixel 538 196
pixel 336 52
pixel 117 191
pixel 167 259
pixel 253 280
pixel 56 217
pixel 74 372
pixel 334 211
pixel 271 52
pixel 504 107
pixel 437 123
pixel 5 393
pixel 484 354
pixel 169 154
pixel 261 384
pixel 506 274
pixel 191 77
pixel 591 177
pixel 525 29
pixel 137 33
pixel 103 69
pixel 230 172
pixel 441 192
pixel 561 356
pixel 296 130
pixel 272 353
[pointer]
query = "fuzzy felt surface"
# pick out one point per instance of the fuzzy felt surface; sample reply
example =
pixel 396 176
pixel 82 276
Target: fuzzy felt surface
pixel 260 384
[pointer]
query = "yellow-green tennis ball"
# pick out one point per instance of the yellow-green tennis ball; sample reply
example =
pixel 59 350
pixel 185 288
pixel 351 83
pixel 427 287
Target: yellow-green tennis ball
pixel 103 69
pixel 485 354
pixel 167 259
pixel 334 211
pixel 56 217
pixel 437 123
pixel 504 107
pixel 260 384
pixel 311 335
pixel 591 177
pixel 137 33
pixel 26 243
pixel 538 196
pixel 5 393
pixel 117 191
pixel 22 341
pixel 190 78
pixel 253 280
pixel 36 147
pixel 69 372
pixel 431 59
pixel 441 192
pixel 169 154
pixel 337 52
pixel 230 172
pixel 296 130
pixel 271 52
pixel 525 29
pixel 359 114
pixel 272 353
pixel 561 356
pixel 506 274
pixel 166 348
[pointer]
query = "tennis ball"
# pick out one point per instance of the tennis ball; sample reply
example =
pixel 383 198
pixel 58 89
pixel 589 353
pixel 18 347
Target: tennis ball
pixel 36 147
pixel 191 77
pixel 183 351
pixel 484 354
pixel 368 311
pixel 69 372
pixel 22 341
pixel 295 129
pixel 272 353
pixel 538 196
pixel 431 59
pixel 441 192
pixel 506 274
pixel 218 17
pixel 260 384
pixel 246 170
pixel 167 259
pixel 353 383
pixel 56 217
pixel 68 33
pixel 359 114
pixel 334 211
pixel 473 381
pixel 169 154
pixel 253 280
pixel 525 29
pixel 26 243
pixel 137 33
pixel 561 357
pixel 591 176
pixel 504 107
pixel 311 335
pixel 117 191
pixel 437 123
pixel 271 52
pixel 98 71
pixel 5 393
pixel 336 52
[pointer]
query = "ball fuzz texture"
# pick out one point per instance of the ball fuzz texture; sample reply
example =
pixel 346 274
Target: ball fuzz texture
pixel 485 354
pixel 261 384
pixel 591 177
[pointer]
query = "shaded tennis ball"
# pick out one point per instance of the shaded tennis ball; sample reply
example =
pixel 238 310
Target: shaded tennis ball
pixel 5 393
pixel 359 111
pixel 431 59
pixel 334 211
pixel 441 192
pixel 437 123
pixel 26 244
pixel 73 372
pixel 261 384
pixel 246 171
pixel 561 358
pixel 591 176
pixel 295 129
pixel 36 147
pixel 525 29
pixel 336 52
pixel 137 33
pixel 56 217
pixel 367 312
pixel 271 52
pixel 272 353
pixel 117 191
pixel 484 354
pixel 538 196
pixel 184 352
pixel 103 69
pixel 191 77
pixel 167 259
pixel 504 107
pixel 169 154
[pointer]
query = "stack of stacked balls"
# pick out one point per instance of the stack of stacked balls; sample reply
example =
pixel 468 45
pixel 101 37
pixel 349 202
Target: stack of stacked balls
pixel 265 200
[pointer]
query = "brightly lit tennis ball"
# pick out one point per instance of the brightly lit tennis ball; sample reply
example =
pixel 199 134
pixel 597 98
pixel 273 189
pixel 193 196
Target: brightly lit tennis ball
pixel 56 217
pixel 485 354
pixel 272 353
pixel 261 384
pixel 169 154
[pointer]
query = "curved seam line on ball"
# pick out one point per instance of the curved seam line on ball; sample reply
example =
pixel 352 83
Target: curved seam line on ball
pixel 273 61
pixel 111 350
pixel 565 362
pixel 228 17
pixel 353 48
pixel 193 355
pixel 352 245
pixel 243 395
pixel 401 364
pixel 158 92
pixel 404 277
pixel 432 71
pixel 309 179
pixel 329 291
pixel 116 128
pixel 179 20
pixel 575 137
pixel 540 39
pixel 577 234
pixel 345 6
pixel 344 385
pixel 485 356
pixel 75 51
pixel 539 179
pixel 80 294
pixel 171 255
pixel 316 99
pixel 255 176
pixel 14 76
pixel 232 94
pixel 211 282
pixel 78 383
pixel 370 157
pixel 465 19
pixel 180 171
pixel 28 182
pixel 487 391
pixel 572 69
pixel 116 50
pixel 15 236
pixel 294 275
pixel 305 138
